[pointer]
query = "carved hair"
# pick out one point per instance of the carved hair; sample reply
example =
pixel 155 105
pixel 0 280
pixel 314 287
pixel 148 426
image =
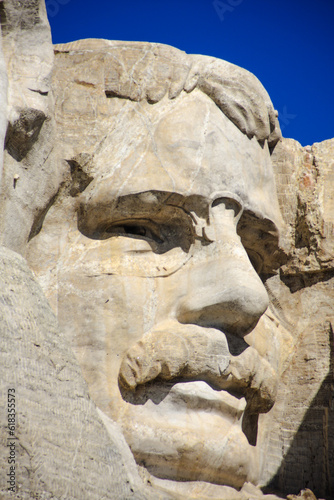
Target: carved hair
pixel 148 71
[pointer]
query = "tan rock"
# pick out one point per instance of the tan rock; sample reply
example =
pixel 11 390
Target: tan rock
pixel 30 176
pixel 305 188
pixel 304 494
pixel 145 180
pixel 304 297
pixel 147 222
pixel 61 447
pixel 3 103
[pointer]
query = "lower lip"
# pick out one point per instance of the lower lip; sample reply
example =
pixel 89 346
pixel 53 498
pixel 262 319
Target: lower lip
pixel 186 405
pixel 193 431
pixel 200 396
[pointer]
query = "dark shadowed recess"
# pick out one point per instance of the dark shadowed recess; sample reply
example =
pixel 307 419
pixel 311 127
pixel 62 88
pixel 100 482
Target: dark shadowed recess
pixel 303 280
pixel 309 463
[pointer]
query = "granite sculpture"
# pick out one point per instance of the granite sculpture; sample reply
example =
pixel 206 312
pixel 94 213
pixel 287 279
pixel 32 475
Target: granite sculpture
pixel 145 187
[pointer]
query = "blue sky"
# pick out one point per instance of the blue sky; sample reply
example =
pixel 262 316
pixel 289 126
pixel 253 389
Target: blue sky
pixel 287 44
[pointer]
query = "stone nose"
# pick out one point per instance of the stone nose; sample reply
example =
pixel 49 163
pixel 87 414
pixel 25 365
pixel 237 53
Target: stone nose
pixel 223 289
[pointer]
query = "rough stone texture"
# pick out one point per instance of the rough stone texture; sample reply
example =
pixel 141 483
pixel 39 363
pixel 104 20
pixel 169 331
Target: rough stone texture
pixel 153 169
pixel 304 495
pixel 87 169
pixel 30 177
pixel 129 273
pixel 3 104
pixel 305 190
pixel 63 450
pixel 305 294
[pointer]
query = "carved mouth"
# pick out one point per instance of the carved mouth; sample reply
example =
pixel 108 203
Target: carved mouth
pixel 187 391
pixel 193 353
pixel 186 430
pixel 198 395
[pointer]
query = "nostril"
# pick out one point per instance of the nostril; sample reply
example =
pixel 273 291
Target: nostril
pixel 251 305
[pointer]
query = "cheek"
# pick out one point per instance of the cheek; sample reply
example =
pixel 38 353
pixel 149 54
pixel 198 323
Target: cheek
pixel 103 316
pixel 120 256
pixel 106 312
pixel 109 293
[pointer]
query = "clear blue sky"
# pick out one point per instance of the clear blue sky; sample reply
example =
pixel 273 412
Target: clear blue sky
pixel 287 44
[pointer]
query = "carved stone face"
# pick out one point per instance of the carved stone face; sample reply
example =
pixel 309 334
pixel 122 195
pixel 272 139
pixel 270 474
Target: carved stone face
pixel 153 273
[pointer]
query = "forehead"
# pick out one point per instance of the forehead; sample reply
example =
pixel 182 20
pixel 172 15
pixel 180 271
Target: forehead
pixel 184 145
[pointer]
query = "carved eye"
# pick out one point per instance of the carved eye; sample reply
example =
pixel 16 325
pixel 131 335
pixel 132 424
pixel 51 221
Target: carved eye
pixel 136 230
pixel 167 231
pixel 141 229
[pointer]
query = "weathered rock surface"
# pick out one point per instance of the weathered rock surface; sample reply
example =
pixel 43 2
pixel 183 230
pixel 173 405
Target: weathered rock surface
pixel 3 104
pixel 304 295
pixel 305 190
pixel 62 448
pixel 304 495
pixel 129 272
pixel 30 178
pixel 146 221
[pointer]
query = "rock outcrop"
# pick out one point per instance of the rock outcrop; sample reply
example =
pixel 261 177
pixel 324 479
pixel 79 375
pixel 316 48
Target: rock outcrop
pixel 77 124
pixel 55 444
pixel 304 294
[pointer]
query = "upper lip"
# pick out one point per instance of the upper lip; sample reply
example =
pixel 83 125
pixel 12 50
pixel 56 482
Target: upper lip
pixel 187 352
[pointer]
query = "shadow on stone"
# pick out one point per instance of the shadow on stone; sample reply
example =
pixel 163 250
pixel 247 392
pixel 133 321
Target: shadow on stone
pixel 309 463
pixel 23 132
pixel 303 280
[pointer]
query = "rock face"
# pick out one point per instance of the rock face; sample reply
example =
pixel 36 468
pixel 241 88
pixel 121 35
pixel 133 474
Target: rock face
pixel 29 180
pixel 58 436
pixel 188 257
pixel 304 293
pixel 55 444
pixel 150 221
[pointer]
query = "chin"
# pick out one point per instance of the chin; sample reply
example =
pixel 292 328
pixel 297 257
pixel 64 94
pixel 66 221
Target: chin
pixel 191 433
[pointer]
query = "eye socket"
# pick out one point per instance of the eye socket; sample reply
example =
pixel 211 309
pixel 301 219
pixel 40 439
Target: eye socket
pixel 136 230
pixel 165 226
pixel 141 229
